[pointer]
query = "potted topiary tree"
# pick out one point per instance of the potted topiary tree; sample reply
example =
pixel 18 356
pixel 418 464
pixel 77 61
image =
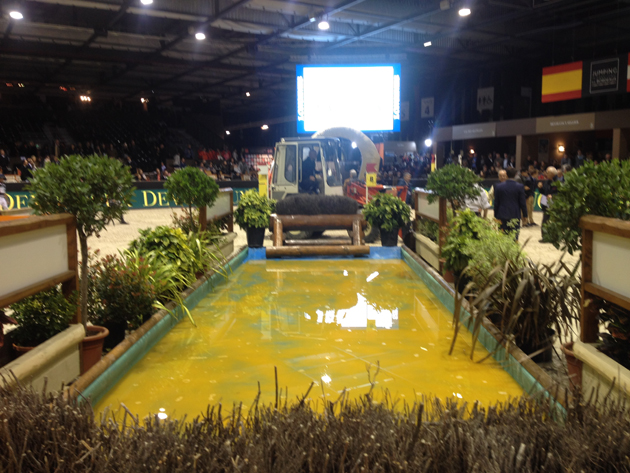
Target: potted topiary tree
pixel 454 183
pixel 191 188
pixel 41 317
pixel 96 190
pixel 252 215
pixel 389 214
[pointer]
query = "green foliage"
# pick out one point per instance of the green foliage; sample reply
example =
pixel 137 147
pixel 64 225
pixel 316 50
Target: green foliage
pixel 454 183
pixel 524 302
pixel 478 245
pixel 42 316
pixel 431 229
pixel 254 210
pixel 184 221
pixel 95 189
pixel 602 190
pixel 170 245
pixel 387 212
pixel 125 293
pixel 191 187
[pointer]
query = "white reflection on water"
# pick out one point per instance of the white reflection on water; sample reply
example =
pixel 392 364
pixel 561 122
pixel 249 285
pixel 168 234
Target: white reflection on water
pixel 359 316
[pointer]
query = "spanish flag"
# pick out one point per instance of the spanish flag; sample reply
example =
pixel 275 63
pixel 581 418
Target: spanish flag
pixel 563 82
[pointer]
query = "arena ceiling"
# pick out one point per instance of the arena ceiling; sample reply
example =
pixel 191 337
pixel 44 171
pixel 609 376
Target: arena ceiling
pixel 126 50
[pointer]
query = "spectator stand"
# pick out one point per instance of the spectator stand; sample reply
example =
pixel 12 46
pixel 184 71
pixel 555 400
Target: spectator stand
pixel 42 253
pixel 426 248
pixel 605 276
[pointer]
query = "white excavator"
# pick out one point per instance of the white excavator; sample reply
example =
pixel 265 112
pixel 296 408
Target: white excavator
pixel 331 149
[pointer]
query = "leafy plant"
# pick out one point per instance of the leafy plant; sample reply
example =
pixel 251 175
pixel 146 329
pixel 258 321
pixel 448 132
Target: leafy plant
pixel 523 302
pixel 387 212
pixel 191 187
pixel 454 183
pixel 125 292
pixel 429 229
pixel 42 316
pixel 602 190
pixel 95 189
pixel 170 245
pixel 464 228
pixel 183 221
pixel 253 210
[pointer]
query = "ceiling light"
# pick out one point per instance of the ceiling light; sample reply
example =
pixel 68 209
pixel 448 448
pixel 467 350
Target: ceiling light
pixel 146 2
pixel 20 85
pixel 354 144
pixel 427 44
pixel 472 151
pixel 312 19
pixel 247 94
pixel 464 11
pixel 323 25
pixel 264 127
pixel 16 15
pixel 143 100
pixel 428 142
pixel 227 132
pixel 561 148
pixel 200 36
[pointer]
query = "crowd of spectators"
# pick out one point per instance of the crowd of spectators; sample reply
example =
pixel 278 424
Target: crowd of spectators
pixel 158 164
pixel 488 166
pixel 414 164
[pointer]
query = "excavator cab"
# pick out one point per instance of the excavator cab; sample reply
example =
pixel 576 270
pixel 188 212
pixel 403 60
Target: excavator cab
pixel 306 165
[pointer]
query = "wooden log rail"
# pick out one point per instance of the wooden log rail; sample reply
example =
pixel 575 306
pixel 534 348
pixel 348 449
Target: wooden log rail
pixel 352 223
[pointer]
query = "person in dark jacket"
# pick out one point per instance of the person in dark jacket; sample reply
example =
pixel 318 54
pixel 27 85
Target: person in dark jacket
pixel 547 189
pixel 509 202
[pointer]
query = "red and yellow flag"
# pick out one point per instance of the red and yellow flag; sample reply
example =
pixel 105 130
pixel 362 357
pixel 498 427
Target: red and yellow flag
pixel 563 82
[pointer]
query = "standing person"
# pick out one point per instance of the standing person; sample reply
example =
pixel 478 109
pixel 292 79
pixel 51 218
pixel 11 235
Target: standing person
pixel 547 190
pixel 4 203
pixel 479 204
pixel 529 186
pixel 579 159
pixel 509 203
pixel 405 181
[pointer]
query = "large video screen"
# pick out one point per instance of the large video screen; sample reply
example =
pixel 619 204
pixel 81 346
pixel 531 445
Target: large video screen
pixel 365 97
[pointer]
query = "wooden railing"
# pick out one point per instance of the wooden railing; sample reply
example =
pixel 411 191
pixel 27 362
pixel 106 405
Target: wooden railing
pixel 436 212
pixel 605 269
pixel 37 253
pixel 223 207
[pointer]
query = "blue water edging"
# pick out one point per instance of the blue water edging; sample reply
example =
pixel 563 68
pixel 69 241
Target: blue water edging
pixel 112 375
pixel 510 364
pixel 376 252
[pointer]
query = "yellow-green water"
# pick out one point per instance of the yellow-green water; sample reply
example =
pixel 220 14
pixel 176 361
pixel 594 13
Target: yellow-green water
pixel 320 321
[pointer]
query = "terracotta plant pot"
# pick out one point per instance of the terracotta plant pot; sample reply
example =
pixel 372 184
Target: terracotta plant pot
pixel 21 350
pixel 92 346
pixel 449 277
pixel 574 366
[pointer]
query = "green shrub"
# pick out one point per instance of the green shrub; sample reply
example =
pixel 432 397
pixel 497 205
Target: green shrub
pixel 454 183
pixel 125 293
pixel 602 190
pixel 42 316
pixel 387 212
pixel 253 210
pixel 171 245
pixel 191 188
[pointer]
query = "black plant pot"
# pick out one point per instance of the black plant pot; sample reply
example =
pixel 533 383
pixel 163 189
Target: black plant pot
pixel 255 237
pixel 116 334
pixel 529 347
pixel 389 238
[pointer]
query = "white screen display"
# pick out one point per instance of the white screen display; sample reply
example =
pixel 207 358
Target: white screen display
pixel 366 98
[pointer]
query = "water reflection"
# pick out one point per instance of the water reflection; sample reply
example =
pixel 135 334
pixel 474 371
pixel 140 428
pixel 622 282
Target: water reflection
pixel 362 315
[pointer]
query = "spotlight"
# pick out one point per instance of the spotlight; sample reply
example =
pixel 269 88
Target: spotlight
pixel 312 19
pixel 561 148
pixel 146 2
pixel 427 44
pixel 85 98
pixel 200 36
pixel 428 142
pixel 323 25
pixel 143 100
pixel 464 12
pixel 354 144
pixel 16 15
pixel 264 127
pixel 472 151
pixel 247 94
pixel 227 132
pixel 20 85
